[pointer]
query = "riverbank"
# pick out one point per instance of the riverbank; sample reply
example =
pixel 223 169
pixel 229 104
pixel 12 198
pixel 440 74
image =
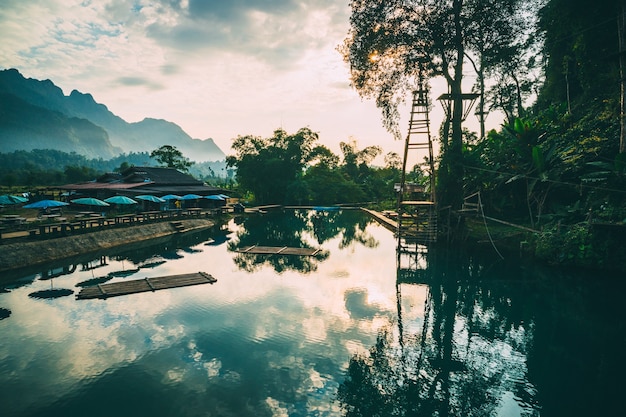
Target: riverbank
pixel 15 255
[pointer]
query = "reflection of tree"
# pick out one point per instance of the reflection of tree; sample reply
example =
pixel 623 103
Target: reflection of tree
pixel 298 229
pixel 142 252
pixel 274 229
pixel 351 224
pixel 469 355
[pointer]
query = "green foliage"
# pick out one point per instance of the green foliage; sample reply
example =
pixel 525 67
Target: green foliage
pixel 171 158
pixel 581 46
pixel 329 186
pixel 293 169
pixel 583 245
pixel 571 246
pixel 269 167
pixel 44 167
pixel 48 167
pixel 552 166
pixel 74 174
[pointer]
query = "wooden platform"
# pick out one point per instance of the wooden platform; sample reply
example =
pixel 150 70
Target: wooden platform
pixel 278 250
pixel 115 289
pixel 388 223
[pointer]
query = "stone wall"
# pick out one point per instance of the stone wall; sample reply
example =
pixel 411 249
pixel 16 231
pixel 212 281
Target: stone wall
pixel 25 253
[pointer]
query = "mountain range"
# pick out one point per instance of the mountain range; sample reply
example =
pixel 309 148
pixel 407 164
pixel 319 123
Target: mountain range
pixel 35 114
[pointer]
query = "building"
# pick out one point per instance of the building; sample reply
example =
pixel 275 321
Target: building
pixel 157 181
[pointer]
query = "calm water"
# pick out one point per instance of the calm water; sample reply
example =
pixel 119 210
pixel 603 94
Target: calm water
pixel 312 336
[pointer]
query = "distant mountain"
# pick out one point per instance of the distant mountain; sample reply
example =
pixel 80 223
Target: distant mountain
pixel 27 127
pixel 121 136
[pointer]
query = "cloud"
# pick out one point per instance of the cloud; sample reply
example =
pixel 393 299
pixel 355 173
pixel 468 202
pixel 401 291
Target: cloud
pixel 200 64
pixel 277 32
pixel 138 81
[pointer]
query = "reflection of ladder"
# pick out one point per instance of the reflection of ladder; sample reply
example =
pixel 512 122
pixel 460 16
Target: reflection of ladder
pixel 417 214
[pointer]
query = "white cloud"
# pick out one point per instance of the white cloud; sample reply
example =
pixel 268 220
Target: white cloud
pixel 217 68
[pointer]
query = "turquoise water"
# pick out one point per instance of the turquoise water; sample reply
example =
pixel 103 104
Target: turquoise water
pixel 312 336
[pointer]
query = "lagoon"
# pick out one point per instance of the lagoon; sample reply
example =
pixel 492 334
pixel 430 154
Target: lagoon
pixel 467 334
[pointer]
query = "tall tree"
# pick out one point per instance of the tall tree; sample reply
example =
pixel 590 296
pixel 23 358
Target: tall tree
pixel 499 36
pixel 171 158
pixel 393 45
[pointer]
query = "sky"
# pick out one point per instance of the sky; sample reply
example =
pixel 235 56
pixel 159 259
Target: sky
pixel 217 68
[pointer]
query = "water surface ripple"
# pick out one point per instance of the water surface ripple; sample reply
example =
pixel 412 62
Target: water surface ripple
pixel 311 336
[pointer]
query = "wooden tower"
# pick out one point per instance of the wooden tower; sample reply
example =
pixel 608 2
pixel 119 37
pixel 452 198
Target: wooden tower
pixel 417 214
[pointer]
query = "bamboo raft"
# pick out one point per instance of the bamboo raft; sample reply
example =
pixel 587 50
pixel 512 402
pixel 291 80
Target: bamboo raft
pixel 115 289
pixel 278 250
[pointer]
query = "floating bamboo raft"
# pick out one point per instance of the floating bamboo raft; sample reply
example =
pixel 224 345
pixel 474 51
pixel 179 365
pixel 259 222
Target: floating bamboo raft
pixel 279 250
pixel 115 289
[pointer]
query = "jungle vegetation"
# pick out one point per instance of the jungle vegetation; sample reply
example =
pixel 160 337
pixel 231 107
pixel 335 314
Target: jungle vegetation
pixel 22 170
pixel 555 68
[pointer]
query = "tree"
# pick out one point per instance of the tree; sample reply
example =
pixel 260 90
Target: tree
pixel 78 174
pixel 171 158
pixel 271 167
pixel 585 55
pixel 393 46
pixel 123 167
pixel 500 39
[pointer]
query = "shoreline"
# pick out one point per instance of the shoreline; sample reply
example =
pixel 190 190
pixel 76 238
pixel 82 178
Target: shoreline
pixel 19 255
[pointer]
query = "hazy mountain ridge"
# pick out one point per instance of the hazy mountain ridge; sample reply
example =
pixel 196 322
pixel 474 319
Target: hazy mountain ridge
pixel 24 126
pixel 121 136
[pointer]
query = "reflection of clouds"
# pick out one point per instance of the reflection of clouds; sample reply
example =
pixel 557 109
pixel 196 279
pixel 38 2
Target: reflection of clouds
pixel 358 305
pixel 57 343
pixel 277 409
pixel 212 366
pixel 284 339
pixel 315 328
pixel 174 375
pixel 413 303
pixel 340 273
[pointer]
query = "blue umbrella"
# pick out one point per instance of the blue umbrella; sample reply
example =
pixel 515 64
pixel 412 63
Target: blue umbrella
pixel 172 197
pixel 120 199
pixel 7 199
pixel 44 204
pixel 152 198
pixel 224 196
pixel 89 201
pixel 191 197
pixel 214 197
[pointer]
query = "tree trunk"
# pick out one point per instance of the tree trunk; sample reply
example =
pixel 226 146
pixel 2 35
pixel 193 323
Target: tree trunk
pixel 621 30
pixel 455 160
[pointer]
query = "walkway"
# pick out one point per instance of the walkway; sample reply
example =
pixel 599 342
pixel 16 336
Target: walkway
pixel 89 222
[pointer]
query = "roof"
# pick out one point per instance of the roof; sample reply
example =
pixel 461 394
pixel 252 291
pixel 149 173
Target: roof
pixel 147 180
pixel 158 175
pixel 155 189
pixel 102 186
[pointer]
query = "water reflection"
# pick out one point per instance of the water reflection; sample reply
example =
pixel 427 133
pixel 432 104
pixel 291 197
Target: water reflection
pixel 496 339
pixel 298 229
pixel 455 335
